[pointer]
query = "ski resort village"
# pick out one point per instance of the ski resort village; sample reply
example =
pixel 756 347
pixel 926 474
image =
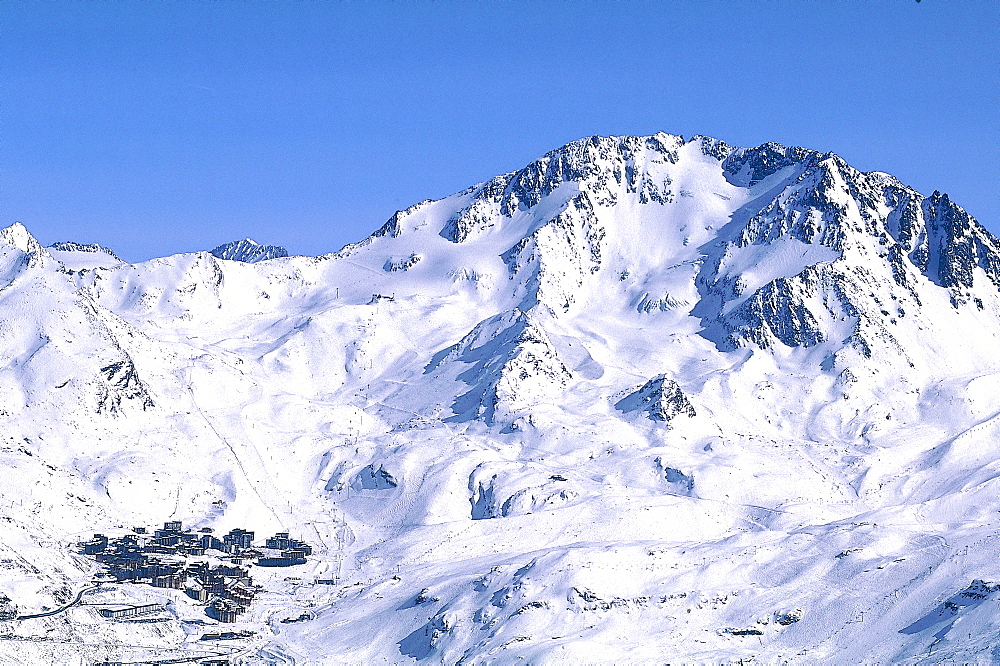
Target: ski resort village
pixel 208 572
pixel 179 559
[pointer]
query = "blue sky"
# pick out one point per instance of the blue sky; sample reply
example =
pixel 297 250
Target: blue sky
pixel 163 127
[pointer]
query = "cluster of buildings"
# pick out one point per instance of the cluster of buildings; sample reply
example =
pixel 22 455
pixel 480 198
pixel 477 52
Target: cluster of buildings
pixel 131 611
pixel 221 579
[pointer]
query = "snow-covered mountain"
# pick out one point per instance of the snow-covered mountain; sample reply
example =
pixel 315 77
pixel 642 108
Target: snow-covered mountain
pixel 646 396
pixel 77 256
pixel 249 250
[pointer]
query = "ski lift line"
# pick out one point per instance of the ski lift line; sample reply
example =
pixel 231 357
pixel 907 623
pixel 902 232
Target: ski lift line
pixel 922 575
pixel 732 504
pixel 395 409
pixel 353 263
pixel 177 503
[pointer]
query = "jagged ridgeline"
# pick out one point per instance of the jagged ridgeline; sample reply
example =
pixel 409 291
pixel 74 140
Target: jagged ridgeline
pixel 644 396
pixel 249 251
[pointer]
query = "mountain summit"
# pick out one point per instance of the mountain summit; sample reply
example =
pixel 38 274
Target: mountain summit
pixel 644 396
pixel 249 251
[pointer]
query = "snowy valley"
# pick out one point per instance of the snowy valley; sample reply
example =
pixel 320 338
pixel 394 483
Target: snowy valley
pixel 646 399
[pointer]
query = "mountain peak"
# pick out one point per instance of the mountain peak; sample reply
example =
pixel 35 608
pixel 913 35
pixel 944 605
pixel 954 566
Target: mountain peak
pixel 249 251
pixel 17 235
pixel 766 245
pixel 94 248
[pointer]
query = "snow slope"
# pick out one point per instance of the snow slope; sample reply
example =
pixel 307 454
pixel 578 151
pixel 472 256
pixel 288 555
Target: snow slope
pixel 77 256
pixel 647 398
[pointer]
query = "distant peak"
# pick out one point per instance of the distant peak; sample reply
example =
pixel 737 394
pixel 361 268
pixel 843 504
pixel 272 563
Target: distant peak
pixel 249 251
pixel 18 236
pixel 70 246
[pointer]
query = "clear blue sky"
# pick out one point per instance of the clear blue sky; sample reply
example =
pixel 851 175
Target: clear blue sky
pixel 163 127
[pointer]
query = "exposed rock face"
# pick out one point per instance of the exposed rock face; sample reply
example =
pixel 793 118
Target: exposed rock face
pixel 676 480
pixel 499 491
pixel 512 366
pixel 835 218
pixel 249 251
pixel 601 165
pixel 371 478
pixel 69 246
pixel 660 398
pixel 394 264
pixel 121 385
pixel 553 262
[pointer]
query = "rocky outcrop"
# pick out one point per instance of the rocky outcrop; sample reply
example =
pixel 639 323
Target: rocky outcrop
pixel 120 385
pixel 370 478
pixel 70 246
pixel 603 167
pixel 512 366
pixel 395 264
pixel 553 263
pixel 249 251
pixel 840 244
pixel 498 490
pixel 660 398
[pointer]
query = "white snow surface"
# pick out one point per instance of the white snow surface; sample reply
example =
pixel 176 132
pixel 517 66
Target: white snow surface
pixel 77 256
pixel 818 482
